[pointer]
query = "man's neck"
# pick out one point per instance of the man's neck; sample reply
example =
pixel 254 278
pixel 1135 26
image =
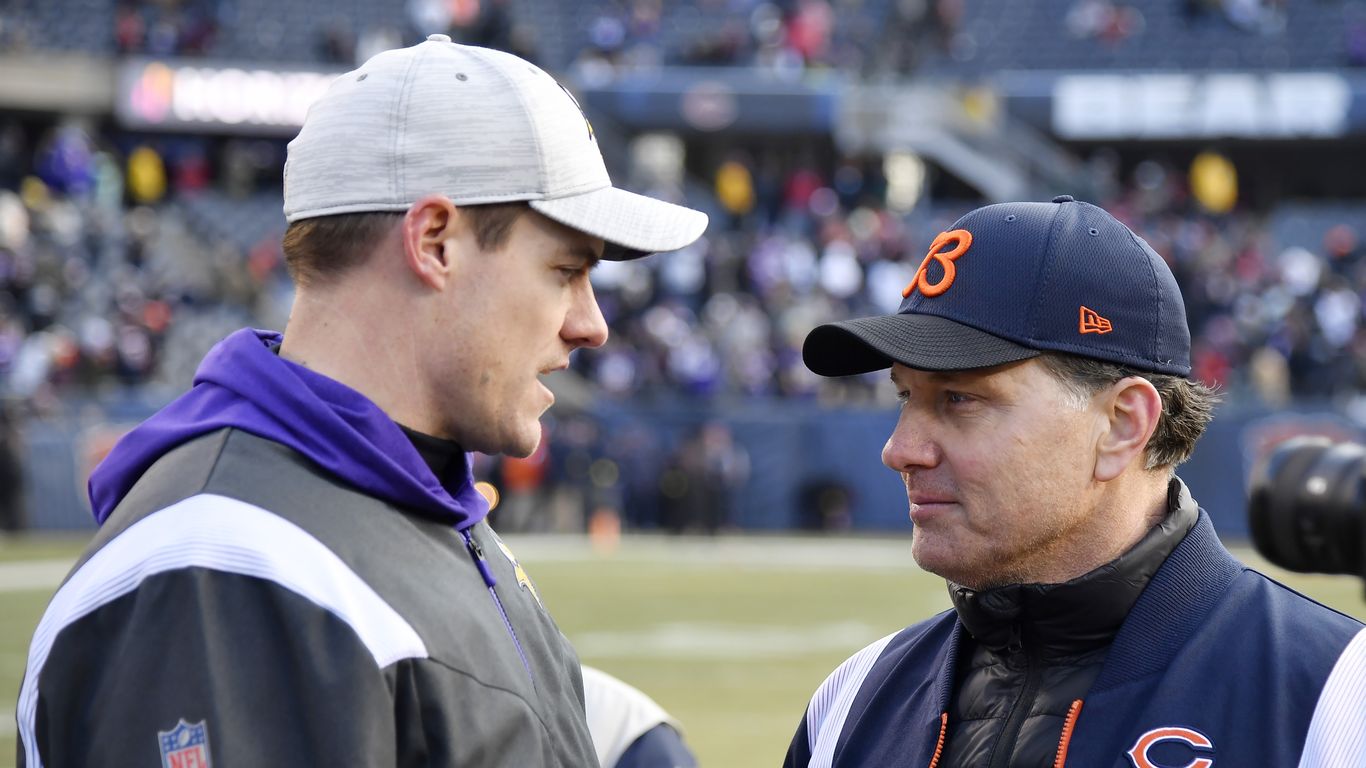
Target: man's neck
pixel 1120 517
pixel 349 335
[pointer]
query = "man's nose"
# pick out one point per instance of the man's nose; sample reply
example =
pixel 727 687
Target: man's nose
pixel 584 326
pixel 911 445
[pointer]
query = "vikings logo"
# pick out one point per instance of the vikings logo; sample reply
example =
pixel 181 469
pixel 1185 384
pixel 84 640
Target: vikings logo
pixel 522 578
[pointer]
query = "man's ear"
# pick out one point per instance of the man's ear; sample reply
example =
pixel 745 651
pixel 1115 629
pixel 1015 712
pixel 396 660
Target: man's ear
pixel 431 230
pixel 1133 408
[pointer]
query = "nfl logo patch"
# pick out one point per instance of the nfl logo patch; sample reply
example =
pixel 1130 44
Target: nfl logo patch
pixel 185 746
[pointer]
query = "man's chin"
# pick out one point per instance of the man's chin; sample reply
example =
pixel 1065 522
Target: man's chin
pixel 973 575
pixel 937 555
pixel 517 445
pixel 525 442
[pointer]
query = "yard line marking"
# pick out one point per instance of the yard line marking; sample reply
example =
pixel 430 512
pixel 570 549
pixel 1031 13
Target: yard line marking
pixel 757 552
pixel 752 552
pixel 701 640
pixel 33 575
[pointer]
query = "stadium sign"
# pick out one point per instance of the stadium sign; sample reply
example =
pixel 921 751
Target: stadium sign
pixel 1188 106
pixel 168 95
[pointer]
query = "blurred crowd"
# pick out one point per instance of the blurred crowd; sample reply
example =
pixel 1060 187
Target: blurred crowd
pixel 123 257
pixel 106 287
pixel 786 38
pixel 108 280
pixel 621 473
pixel 166 27
pixel 1270 320
pixel 114 280
pixel 789 38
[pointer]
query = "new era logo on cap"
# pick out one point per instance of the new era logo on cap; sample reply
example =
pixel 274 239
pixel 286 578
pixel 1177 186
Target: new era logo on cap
pixel 1093 323
pixel 1009 281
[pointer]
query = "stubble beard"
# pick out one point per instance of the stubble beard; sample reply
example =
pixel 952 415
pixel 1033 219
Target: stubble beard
pixel 995 564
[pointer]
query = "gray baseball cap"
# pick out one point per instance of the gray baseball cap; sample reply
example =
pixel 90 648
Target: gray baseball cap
pixel 478 126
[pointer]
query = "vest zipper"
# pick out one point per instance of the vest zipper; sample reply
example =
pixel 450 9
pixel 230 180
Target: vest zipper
pixel 1067 727
pixel 477 552
pixel 939 745
pixel 1006 746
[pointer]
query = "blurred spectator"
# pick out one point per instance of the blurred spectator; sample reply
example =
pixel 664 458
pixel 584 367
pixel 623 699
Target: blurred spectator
pixel 146 176
pixel 1263 16
pixel 495 26
pixel 165 27
pixel 702 480
pixel 13 515
pixel 637 453
pixel 1103 20
pixel 809 30
pixel 725 470
pixel 336 41
pixel 735 188
pixel 522 485
pixel 1354 43
pixel 377 39
pixel 65 162
pixel 575 446
pixel 825 504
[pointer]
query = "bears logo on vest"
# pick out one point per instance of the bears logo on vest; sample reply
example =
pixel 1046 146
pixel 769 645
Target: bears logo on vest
pixel 1192 738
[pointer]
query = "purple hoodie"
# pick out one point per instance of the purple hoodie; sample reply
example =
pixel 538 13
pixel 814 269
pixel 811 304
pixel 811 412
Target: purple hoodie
pixel 242 383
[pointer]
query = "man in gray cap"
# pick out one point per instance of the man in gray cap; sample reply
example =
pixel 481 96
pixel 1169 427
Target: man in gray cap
pixel 293 566
pixel 1042 360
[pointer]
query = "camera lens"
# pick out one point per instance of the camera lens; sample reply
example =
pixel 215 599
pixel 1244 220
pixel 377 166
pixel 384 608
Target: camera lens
pixel 1308 503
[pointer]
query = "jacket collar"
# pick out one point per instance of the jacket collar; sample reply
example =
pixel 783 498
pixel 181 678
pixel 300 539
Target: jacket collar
pixel 1178 599
pixel 243 384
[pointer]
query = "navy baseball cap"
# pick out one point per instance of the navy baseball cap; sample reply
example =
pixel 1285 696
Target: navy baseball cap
pixel 1013 280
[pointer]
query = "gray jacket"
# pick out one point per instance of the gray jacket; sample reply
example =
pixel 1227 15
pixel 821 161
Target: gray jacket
pixel 242 606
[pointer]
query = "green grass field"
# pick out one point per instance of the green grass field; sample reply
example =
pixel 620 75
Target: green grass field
pixel 731 635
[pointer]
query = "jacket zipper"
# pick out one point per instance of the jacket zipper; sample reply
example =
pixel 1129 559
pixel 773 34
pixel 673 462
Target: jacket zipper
pixel 1006 746
pixel 477 552
pixel 1067 727
pixel 939 745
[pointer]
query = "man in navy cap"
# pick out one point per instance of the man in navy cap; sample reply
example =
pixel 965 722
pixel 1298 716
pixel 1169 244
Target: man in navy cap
pixel 1042 360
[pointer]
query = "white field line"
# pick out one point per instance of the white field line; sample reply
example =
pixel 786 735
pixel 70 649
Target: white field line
pixel 33 575
pixel 761 552
pixel 690 640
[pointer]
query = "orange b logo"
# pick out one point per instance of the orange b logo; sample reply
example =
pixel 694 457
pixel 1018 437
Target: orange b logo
pixel 960 239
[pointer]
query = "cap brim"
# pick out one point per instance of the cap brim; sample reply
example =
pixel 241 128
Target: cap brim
pixel 924 342
pixel 632 225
